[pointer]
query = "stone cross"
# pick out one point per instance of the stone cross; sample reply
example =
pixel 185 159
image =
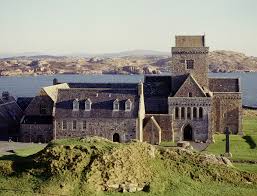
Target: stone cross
pixel 227 151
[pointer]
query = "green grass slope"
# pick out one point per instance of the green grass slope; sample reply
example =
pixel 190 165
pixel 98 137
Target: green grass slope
pixel 96 166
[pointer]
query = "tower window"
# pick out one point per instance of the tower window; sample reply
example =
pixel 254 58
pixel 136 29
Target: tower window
pixel 190 64
pixel 189 94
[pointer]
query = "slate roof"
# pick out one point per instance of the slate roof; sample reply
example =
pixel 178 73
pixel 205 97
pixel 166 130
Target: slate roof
pixel 23 102
pixel 10 112
pixel 104 85
pixel 102 102
pixel 51 91
pixel 224 84
pixel 36 119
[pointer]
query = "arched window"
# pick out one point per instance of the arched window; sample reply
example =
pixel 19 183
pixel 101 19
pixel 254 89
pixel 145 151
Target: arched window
pixel 194 112
pixel 200 112
pixel 116 105
pixel 176 113
pixel 76 105
pixel 88 104
pixel 190 94
pixel 128 105
pixel 183 113
pixel 188 113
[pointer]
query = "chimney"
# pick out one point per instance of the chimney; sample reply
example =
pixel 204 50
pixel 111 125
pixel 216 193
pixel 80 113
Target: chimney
pixel 55 81
pixel 5 95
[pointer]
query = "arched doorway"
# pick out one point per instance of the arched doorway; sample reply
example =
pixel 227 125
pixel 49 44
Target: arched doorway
pixel 188 133
pixel 116 137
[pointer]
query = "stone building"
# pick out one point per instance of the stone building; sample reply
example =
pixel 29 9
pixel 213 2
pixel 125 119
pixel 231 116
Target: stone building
pixel 185 105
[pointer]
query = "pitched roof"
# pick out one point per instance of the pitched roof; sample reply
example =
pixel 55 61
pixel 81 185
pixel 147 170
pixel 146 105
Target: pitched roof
pixel 51 91
pixel 198 87
pixel 224 84
pixel 104 85
pixel 23 102
pixel 102 103
pixel 157 86
pixel 155 123
pixel 10 111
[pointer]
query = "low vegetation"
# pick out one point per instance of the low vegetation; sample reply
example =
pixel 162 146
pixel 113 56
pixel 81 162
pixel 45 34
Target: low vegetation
pixel 96 166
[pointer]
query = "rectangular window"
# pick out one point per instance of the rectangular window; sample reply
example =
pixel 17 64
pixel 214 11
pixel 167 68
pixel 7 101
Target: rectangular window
pixel 74 124
pixel 64 124
pixel 42 109
pixel 190 64
pixel 84 125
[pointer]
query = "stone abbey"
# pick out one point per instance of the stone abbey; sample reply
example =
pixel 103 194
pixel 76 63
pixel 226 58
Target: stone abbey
pixel 184 105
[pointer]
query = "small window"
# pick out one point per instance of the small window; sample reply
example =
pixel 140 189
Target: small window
pixel 128 105
pixel 188 113
pixel 190 64
pixel 190 94
pixel 84 125
pixel 176 113
pixel 116 105
pixel 200 112
pixel 194 112
pixel 76 105
pixel 88 104
pixel 182 113
pixel 74 124
pixel 43 109
pixel 64 124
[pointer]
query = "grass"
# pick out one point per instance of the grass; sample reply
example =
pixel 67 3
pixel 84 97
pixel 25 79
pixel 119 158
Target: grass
pixel 241 147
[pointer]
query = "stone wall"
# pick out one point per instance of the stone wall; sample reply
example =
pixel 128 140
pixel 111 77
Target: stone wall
pixel 103 127
pixel 165 123
pixel 190 41
pixel 36 133
pixel 199 55
pixel 227 112
pixel 192 111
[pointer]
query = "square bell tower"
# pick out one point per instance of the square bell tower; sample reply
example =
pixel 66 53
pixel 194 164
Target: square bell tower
pixel 190 56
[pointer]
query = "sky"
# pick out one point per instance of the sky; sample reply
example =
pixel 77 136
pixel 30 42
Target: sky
pixel 106 26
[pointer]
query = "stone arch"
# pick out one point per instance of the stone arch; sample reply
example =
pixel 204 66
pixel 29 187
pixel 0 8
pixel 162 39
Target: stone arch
pixel 116 137
pixel 187 132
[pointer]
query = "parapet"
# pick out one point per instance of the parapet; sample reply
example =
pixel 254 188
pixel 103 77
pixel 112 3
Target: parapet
pixel 190 41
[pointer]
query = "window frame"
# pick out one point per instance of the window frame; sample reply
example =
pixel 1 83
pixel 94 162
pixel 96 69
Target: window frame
pixel 88 102
pixel 189 64
pixel 75 105
pixel 128 103
pixel 76 126
pixel 66 125
pixel 116 103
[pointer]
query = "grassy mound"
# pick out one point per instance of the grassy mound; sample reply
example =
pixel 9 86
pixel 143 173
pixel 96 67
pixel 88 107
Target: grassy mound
pixel 96 166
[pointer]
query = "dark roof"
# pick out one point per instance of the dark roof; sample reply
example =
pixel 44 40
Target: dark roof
pixel 102 102
pixel 103 85
pixel 177 82
pixel 23 102
pixel 224 84
pixel 37 120
pixel 157 86
pixel 10 112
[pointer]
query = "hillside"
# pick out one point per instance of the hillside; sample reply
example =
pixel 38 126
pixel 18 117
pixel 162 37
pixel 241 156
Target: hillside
pixel 129 62
pixel 96 166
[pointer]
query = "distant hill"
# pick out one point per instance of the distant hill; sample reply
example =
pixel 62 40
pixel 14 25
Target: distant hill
pixel 227 61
